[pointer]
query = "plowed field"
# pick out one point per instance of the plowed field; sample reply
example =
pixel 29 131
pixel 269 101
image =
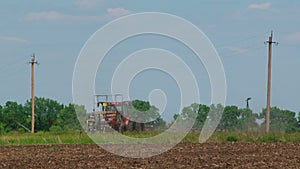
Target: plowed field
pixel 184 155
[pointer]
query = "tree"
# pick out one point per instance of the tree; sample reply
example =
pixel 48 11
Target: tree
pixel 46 112
pixel 229 120
pixel 188 115
pixel 158 124
pixel 136 110
pixel 195 110
pixel 1 121
pixel 14 118
pixel 298 120
pixel 190 111
pixel 175 116
pixel 1 114
pixel 67 118
pixel 200 113
pixel 281 120
pixel 247 120
pixel 141 112
pixel 214 116
pixel 202 116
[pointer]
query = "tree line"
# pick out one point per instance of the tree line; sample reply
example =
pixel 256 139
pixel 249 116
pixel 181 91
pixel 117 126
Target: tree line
pixel 236 119
pixel 50 115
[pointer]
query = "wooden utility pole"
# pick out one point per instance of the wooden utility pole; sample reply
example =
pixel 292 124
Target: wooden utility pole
pixel 32 62
pixel 270 43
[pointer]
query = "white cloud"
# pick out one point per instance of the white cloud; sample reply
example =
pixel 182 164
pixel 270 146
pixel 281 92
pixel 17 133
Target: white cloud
pixel 13 39
pixel 48 15
pixel 88 4
pixel 236 49
pixel 292 38
pixel 263 6
pixel 57 16
pixel 117 11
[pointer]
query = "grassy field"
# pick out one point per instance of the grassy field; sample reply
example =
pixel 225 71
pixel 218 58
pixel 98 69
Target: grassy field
pixel 45 138
pixel 83 138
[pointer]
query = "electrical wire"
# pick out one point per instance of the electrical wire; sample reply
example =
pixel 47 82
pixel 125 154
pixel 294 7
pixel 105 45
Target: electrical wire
pixel 249 47
pixel 242 52
pixel 218 46
pixel 14 72
pixel 13 63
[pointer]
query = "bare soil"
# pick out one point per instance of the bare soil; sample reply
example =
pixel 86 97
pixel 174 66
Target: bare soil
pixel 184 155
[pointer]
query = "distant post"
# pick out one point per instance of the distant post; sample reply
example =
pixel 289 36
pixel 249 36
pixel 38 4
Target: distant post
pixel 32 62
pixel 270 43
pixel 247 102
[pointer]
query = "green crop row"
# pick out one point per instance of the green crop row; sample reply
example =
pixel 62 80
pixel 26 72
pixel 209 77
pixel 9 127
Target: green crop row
pixel 45 138
pixel 83 138
pixel 254 137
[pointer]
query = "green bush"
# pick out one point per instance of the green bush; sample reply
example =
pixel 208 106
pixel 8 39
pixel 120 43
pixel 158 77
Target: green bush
pixel 269 138
pixel 294 137
pixel 191 138
pixel 21 130
pixel 232 138
pixel 55 129
pixel 2 128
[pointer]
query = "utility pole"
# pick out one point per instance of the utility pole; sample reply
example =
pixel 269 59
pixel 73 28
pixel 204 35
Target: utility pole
pixel 270 43
pixel 32 62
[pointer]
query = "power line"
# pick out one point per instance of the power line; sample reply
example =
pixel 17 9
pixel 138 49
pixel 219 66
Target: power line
pixel 12 68
pixel 12 73
pixel 14 62
pixel 218 46
pixel 244 48
pixel 234 53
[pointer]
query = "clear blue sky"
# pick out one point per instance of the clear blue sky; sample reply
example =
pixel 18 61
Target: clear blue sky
pixel 56 31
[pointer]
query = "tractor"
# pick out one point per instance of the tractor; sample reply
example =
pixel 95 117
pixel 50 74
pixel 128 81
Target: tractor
pixel 109 112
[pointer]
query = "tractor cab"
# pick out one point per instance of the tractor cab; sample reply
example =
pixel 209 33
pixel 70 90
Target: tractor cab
pixel 109 113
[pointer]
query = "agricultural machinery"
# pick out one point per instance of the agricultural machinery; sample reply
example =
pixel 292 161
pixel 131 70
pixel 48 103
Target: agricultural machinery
pixel 109 112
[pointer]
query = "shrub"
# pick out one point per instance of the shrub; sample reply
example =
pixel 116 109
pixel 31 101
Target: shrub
pixel 269 138
pixel 55 129
pixel 294 137
pixel 232 138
